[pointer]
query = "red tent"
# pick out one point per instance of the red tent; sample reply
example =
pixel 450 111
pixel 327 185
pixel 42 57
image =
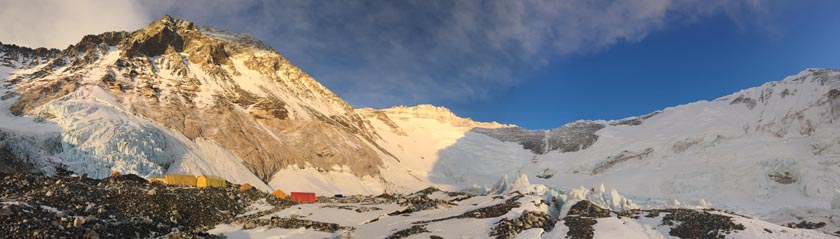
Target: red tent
pixel 303 197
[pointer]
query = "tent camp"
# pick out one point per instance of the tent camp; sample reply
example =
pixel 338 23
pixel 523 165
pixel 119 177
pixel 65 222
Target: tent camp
pixel 204 181
pixel 180 180
pixel 304 197
pixel 279 194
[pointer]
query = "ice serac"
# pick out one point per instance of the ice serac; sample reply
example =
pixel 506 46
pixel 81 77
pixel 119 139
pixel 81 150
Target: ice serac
pixel 173 97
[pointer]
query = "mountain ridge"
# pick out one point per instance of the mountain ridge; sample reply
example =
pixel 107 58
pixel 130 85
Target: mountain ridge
pixel 171 64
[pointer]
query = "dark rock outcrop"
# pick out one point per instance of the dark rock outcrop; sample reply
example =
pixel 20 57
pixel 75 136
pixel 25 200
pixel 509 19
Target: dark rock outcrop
pixel 586 208
pixel 749 102
pixel 509 228
pixel 689 223
pixel 416 229
pixel 154 39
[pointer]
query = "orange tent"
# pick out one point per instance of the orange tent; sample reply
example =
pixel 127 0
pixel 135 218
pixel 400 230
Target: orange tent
pixel 279 194
pixel 245 187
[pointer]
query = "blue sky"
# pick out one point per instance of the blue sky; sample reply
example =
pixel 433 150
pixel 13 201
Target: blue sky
pixel 703 60
pixel 534 63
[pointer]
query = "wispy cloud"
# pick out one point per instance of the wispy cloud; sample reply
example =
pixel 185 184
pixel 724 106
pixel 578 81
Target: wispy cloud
pixel 57 24
pixel 381 53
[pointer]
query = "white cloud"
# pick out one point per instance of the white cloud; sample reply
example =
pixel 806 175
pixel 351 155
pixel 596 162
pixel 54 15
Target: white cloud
pixel 381 53
pixel 58 23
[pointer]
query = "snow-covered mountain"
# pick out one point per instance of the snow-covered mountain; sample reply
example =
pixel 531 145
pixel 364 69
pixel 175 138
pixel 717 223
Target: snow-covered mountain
pixel 771 151
pixel 176 98
pixel 173 97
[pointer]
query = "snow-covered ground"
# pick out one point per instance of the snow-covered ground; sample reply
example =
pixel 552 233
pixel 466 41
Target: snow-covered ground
pixel 294 179
pixel 381 219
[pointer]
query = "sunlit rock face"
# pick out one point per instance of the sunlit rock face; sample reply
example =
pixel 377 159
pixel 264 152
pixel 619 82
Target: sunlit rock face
pixel 136 101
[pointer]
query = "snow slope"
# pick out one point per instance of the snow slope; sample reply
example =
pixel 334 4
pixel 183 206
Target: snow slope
pixel 770 151
pixel 380 218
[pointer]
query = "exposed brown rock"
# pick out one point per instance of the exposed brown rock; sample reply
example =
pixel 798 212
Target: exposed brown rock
pixel 39 94
pixel 153 40
pixel 259 127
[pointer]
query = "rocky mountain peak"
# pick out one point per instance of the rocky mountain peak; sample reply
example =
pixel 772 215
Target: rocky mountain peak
pixel 154 39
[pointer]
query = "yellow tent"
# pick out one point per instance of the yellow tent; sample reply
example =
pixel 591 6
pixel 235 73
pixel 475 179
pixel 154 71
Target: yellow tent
pixel 157 180
pixel 211 181
pixel 279 194
pixel 180 180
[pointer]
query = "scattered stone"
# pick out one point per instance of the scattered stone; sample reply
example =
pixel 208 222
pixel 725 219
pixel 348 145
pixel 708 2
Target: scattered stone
pixel 78 221
pixel 653 213
pixel 420 201
pixel 806 225
pixel 292 223
pixel 5 210
pixel 92 235
pixel 116 207
pixel 580 227
pixel 582 216
pixel 688 223
pixel 507 228
pixel 427 191
pixel 497 210
pixel 782 178
pixel 359 209
pixel 586 208
pixel 192 235
pixel 416 229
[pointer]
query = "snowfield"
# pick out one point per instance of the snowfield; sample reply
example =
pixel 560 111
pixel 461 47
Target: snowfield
pixel 380 218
